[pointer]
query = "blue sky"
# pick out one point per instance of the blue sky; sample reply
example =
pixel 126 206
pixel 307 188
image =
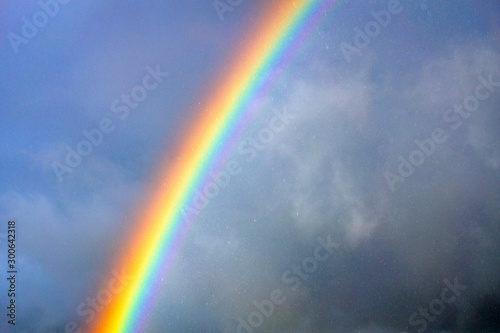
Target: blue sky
pixel 324 174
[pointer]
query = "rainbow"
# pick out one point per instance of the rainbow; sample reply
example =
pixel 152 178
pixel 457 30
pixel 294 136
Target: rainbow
pixel 156 239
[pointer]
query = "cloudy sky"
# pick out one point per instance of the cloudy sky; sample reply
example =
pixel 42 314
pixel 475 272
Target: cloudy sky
pixel 388 168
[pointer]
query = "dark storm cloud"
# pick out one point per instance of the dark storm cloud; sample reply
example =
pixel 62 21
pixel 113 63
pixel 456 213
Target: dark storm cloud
pixel 324 175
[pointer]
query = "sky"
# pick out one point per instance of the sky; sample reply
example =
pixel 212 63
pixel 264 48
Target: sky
pixel 373 207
